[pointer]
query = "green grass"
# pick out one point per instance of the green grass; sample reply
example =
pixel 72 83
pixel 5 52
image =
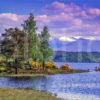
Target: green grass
pixel 24 94
pixel 21 75
pixel 72 71
pixel 55 71
pixel 49 72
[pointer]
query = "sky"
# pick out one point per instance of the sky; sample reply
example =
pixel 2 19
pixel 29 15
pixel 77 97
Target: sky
pixel 67 20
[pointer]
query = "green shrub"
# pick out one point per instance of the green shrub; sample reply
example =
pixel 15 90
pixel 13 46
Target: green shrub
pixel 2 69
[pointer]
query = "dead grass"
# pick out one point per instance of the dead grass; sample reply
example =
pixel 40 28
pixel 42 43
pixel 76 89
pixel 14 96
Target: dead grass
pixel 24 94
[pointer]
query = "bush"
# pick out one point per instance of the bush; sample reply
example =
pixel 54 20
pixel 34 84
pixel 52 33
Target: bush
pixel 65 67
pixel 3 69
pixel 50 65
pixel 2 62
pixel 10 64
pixel 36 64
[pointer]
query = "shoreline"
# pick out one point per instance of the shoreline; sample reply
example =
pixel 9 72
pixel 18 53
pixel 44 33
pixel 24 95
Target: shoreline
pixel 41 75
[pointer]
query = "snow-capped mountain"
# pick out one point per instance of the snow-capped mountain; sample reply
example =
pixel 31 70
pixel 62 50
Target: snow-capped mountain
pixel 76 45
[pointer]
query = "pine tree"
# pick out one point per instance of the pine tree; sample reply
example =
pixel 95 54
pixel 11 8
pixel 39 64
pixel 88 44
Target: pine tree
pixel 32 41
pixel 45 48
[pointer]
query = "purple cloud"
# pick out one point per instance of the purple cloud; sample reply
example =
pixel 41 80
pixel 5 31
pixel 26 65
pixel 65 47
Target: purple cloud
pixel 62 20
pixel 8 20
pixel 72 9
pixel 94 11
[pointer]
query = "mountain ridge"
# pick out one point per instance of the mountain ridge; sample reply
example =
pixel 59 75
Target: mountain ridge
pixel 84 57
pixel 79 45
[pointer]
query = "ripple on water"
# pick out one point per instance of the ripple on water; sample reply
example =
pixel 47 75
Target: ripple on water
pixel 84 86
pixel 72 96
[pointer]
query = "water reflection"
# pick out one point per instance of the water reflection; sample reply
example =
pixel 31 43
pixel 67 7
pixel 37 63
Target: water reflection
pixel 84 83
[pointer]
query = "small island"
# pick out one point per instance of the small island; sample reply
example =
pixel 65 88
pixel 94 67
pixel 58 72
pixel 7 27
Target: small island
pixel 26 53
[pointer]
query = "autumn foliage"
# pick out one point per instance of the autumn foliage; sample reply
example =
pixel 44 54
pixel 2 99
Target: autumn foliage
pixel 50 64
pixel 66 67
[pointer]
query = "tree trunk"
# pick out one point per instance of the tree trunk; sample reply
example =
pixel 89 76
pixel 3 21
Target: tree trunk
pixel 16 70
pixel 43 64
pixel 16 66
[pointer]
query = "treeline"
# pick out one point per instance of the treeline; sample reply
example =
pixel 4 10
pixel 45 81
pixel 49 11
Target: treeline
pixel 26 44
pixel 85 57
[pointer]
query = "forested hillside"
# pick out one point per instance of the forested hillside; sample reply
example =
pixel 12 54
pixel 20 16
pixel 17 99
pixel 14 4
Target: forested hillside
pixel 63 56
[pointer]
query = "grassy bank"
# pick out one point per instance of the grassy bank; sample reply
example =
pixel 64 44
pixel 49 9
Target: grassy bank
pixel 24 94
pixel 72 71
pixel 49 72
pixel 21 75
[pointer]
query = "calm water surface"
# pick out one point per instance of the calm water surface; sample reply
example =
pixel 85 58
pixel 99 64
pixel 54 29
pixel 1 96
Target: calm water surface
pixel 86 66
pixel 81 86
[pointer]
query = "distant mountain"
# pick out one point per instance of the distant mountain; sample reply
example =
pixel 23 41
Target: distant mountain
pixel 64 56
pixel 79 45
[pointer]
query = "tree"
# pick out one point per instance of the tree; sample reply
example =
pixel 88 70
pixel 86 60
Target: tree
pixel 27 43
pixel 29 27
pixel 12 45
pixel 45 48
pixel 32 41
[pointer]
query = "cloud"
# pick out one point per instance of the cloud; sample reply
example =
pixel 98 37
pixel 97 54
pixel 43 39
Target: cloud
pixel 8 20
pixel 62 19
pixel 57 7
pixel 64 24
pixel 72 9
pixel 43 18
pixel 94 11
pixel 71 19
pixel 10 16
